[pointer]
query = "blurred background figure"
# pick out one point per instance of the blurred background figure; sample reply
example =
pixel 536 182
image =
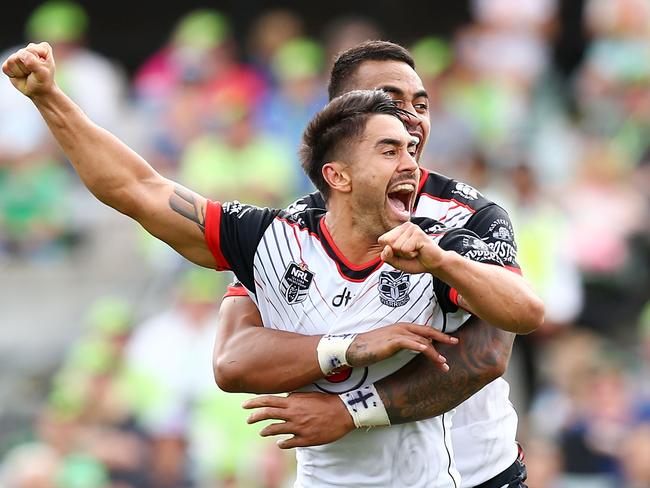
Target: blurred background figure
pixel 298 93
pixel 181 87
pixel 543 106
pixel 198 434
pixel 345 32
pixel 268 34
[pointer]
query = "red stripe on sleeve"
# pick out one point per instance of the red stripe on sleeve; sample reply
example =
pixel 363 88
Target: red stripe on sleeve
pixel 235 291
pixel 453 296
pixel 213 234
pixel 514 270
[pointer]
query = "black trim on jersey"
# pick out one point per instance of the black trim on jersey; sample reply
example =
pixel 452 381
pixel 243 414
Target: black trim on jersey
pixel 462 241
pixel 311 201
pixel 240 231
pixel 444 440
pixel 487 220
pixel 444 188
pixel 348 272
pixel 312 219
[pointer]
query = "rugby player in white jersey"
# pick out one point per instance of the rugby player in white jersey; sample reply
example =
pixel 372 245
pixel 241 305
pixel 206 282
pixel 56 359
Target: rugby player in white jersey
pixel 120 178
pixel 251 358
pixel 294 265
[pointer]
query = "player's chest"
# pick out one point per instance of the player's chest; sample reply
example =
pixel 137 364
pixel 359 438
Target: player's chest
pixel 310 287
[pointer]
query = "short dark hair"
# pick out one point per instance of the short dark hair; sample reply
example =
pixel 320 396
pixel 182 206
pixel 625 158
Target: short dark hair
pixel 346 63
pixel 331 129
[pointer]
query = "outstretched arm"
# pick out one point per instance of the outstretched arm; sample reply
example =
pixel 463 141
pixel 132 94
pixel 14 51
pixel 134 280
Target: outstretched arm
pixel 114 173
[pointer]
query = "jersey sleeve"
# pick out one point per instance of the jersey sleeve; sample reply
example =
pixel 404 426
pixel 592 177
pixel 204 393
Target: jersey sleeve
pixel 492 224
pixel 313 200
pixel 469 245
pixel 235 289
pixel 233 232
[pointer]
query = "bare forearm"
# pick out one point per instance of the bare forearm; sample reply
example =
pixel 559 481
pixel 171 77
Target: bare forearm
pixel 249 358
pixel 495 294
pixel 420 390
pixel 259 360
pixel 106 165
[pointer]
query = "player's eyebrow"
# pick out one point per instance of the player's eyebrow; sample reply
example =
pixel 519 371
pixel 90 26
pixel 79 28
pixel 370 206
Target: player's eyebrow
pixel 400 93
pixel 390 141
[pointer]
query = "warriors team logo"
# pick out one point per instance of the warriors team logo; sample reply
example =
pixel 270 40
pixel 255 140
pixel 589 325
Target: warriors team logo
pixel 295 283
pixel 394 288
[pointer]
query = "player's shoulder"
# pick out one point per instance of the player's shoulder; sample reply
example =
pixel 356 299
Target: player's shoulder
pixel 443 188
pixel 305 218
pixel 311 200
pixel 298 214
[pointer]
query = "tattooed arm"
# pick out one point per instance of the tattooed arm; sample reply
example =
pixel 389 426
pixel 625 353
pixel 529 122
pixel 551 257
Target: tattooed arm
pixel 415 392
pixel 419 391
pixel 114 173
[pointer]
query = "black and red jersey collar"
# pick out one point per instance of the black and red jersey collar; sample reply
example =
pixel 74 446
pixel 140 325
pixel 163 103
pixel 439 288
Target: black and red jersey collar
pixel 347 269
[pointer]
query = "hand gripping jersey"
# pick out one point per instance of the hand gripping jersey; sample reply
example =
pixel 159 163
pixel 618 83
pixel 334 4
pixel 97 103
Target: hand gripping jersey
pixel 485 425
pixel 300 282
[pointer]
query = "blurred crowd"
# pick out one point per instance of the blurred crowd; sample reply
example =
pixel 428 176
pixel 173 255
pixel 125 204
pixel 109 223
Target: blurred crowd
pixel 133 403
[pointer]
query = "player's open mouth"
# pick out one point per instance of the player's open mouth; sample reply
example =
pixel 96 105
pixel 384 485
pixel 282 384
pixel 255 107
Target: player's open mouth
pixel 400 198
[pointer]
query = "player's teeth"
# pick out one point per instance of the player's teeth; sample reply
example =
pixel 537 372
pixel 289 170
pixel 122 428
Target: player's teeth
pixel 403 187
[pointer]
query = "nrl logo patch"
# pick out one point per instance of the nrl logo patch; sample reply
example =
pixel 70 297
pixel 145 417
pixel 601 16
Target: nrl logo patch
pixel 295 283
pixel 394 288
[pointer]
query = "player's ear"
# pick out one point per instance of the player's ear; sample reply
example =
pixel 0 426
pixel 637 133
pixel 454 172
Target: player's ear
pixel 337 176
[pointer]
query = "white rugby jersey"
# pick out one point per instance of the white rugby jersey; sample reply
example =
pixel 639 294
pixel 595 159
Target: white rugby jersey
pixel 485 425
pixel 299 280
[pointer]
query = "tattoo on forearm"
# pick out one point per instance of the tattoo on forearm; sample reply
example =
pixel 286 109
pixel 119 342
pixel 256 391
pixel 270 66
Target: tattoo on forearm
pixel 359 355
pixel 183 202
pixel 420 390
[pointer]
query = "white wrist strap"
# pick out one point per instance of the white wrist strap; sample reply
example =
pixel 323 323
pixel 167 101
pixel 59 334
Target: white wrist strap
pixel 331 351
pixel 366 407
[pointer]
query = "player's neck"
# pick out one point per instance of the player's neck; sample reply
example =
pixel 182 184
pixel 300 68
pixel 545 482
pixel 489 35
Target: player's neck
pixel 352 241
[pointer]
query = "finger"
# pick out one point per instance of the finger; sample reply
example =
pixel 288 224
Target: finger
pixel 424 346
pixel 41 50
pixel 265 401
pixel 28 63
pixel 431 333
pixel 277 429
pixel 15 67
pixel 414 343
pixel 387 254
pixel 391 236
pixel 267 413
pixel 404 241
pixel 295 441
pixel 433 355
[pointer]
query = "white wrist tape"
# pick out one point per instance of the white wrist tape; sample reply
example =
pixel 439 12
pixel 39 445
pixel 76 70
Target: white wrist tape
pixel 331 351
pixel 366 407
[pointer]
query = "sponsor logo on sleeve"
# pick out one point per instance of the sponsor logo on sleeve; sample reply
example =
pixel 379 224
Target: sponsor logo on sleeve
pixel 477 250
pixel 466 191
pixel 232 208
pixel 435 228
pixel 394 288
pixel 501 229
pixel 295 283
pixel 501 240
pixel 296 207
